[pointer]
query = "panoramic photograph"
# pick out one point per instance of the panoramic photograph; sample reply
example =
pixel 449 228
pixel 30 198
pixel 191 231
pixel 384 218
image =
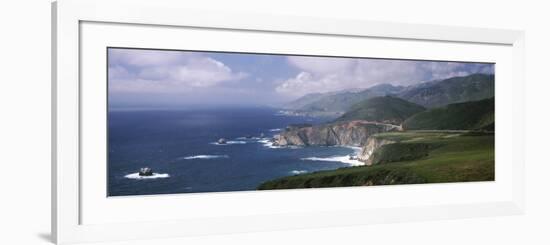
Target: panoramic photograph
pixel 200 122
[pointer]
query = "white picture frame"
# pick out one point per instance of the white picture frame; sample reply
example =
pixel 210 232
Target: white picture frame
pixel 69 198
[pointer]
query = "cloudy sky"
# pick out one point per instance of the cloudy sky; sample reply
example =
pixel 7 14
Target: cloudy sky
pixel 158 78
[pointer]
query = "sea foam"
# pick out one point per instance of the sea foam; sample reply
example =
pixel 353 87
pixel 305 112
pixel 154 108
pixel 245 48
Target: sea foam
pixel 342 159
pixel 268 143
pixel 248 138
pixel 154 176
pixel 205 157
pixel 231 142
pixel 298 171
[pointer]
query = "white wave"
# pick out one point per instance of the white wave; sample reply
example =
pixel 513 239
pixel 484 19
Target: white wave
pixel 236 142
pixel 248 138
pixel 343 159
pixel 268 143
pixel 205 157
pixel 231 142
pixel 298 171
pixel 154 176
pixel 357 149
pixel 275 130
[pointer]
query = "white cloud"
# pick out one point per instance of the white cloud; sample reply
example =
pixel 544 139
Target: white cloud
pixel 306 82
pixel 320 65
pixel 144 58
pixel 331 74
pixel 165 71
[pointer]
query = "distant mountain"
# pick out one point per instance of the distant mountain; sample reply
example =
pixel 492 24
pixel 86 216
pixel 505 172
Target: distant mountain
pixel 386 88
pixel 385 109
pixel 453 90
pixel 430 94
pixel 339 101
pixel 460 116
pixel 304 101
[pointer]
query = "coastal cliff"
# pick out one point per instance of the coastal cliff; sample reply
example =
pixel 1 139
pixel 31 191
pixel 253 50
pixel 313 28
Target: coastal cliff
pixel 350 133
pixel 373 143
pixel 395 147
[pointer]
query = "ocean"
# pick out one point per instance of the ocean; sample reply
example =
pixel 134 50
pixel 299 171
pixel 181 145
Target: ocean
pixel 181 147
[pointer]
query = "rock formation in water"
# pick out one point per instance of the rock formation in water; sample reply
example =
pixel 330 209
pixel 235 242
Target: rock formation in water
pixel 145 171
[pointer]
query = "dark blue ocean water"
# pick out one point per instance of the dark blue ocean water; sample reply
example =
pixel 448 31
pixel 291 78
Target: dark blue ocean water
pixel 180 147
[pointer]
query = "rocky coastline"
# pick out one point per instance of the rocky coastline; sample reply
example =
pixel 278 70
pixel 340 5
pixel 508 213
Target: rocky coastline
pixel 356 133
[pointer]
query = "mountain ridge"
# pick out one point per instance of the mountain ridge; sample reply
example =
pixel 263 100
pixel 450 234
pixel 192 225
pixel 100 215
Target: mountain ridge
pixel 384 109
pixel 431 94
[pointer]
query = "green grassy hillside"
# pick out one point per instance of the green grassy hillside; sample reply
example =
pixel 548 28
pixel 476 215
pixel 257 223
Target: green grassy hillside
pixel 460 116
pixel 401 152
pixel 386 109
pixel 444 157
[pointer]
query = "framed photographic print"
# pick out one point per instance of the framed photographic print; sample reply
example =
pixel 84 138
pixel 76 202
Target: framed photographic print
pixel 202 121
pixel 171 122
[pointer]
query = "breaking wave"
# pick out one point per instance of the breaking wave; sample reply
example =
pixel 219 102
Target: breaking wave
pixel 343 159
pixel 154 176
pixel 248 138
pixel 298 171
pixel 268 143
pixel 205 157
pixel 231 142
